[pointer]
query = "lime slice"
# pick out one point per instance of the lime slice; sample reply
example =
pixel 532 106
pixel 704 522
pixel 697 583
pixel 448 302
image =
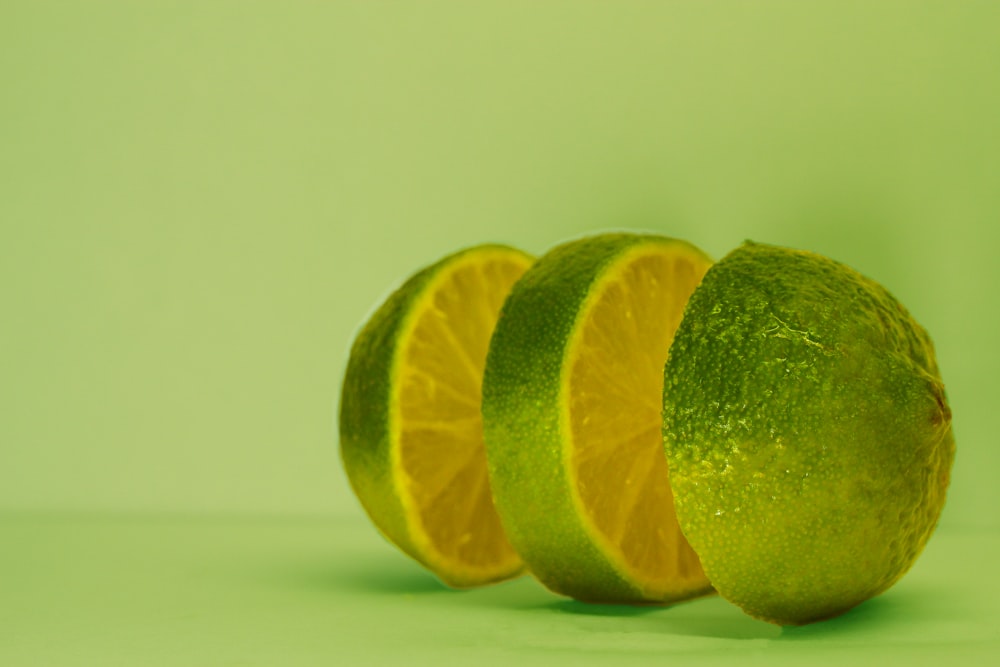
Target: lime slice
pixel 410 425
pixel 571 409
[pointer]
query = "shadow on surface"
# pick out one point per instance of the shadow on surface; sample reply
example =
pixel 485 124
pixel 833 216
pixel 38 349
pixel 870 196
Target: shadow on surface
pixel 894 609
pixel 894 613
pixel 709 616
pixel 595 609
pixel 718 619
pixel 385 576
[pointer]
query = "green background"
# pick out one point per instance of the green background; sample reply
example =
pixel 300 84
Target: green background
pixel 201 201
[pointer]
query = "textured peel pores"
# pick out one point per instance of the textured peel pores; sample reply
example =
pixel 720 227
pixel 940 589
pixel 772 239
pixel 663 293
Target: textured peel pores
pixel 807 432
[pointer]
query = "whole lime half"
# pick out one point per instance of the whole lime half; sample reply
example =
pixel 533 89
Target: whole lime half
pixel 807 433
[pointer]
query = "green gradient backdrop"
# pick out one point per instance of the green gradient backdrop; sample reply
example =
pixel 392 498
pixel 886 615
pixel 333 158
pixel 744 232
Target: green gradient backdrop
pixel 199 202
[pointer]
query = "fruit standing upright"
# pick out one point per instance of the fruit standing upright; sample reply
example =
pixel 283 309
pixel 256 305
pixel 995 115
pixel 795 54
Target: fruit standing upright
pixel 807 432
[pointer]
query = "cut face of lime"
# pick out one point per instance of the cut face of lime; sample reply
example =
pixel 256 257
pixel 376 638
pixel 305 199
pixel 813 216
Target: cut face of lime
pixel 572 414
pixel 411 427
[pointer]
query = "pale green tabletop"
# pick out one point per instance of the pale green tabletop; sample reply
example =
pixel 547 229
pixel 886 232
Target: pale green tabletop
pixel 155 590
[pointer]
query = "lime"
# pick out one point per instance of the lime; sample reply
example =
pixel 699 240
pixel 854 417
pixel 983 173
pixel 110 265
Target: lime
pixel 807 433
pixel 410 425
pixel 571 412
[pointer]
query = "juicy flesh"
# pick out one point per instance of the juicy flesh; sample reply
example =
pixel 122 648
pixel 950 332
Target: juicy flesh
pixel 441 448
pixel 616 382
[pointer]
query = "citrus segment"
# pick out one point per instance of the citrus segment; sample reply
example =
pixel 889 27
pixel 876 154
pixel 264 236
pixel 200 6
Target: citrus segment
pixel 613 395
pixel 411 427
pixel 572 415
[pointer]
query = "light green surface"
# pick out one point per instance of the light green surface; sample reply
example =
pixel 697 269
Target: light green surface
pixel 200 202
pixel 161 590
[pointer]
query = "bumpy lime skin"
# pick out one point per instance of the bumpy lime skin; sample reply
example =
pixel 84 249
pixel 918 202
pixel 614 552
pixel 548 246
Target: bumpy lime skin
pixel 807 433
pixel 364 411
pixel 523 423
pixel 365 402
